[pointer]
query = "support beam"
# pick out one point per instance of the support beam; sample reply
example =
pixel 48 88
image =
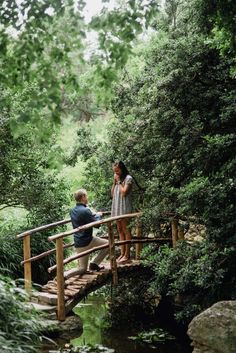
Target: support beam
pixel 174 231
pixel 60 281
pixel 27 266
pixel 138 246
pixel 112 254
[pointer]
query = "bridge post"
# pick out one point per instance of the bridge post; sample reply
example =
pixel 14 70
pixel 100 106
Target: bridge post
pixel 138 247
pixel 27 265
pixel 60 280
pixel 112 254
pixel 174 231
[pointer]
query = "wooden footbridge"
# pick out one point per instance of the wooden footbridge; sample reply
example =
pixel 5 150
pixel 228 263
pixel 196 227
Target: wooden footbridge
pixel 61 294
pixel 77 287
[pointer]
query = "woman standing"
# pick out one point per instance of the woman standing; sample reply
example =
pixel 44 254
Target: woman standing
pixel 121 204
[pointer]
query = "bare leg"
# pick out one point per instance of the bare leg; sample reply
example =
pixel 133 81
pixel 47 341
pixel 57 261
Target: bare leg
pixel 127 237
pixel 127 233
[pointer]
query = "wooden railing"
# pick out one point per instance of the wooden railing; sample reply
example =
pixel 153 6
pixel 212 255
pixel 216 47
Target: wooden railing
pixel 59 250
pixel 27 249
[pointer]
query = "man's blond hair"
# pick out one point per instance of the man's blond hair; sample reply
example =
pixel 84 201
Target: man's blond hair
pixel 79 194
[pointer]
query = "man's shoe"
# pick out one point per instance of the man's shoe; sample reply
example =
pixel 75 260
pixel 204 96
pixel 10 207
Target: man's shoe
pixel 95 267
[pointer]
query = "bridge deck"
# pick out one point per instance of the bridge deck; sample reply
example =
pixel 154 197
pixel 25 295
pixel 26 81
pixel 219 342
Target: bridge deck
pixel 77 287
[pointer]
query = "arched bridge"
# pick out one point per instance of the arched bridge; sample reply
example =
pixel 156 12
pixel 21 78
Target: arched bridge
pixel 60 295
pixel 77 287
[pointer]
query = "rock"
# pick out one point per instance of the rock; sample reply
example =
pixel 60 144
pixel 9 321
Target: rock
pixel 214 330
pixel 71 327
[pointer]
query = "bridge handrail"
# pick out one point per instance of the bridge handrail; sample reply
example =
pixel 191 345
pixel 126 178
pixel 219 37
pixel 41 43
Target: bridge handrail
pixel 93 224
pixel 48 226
pixel 134 240
pixel 44 227
pixel 60 261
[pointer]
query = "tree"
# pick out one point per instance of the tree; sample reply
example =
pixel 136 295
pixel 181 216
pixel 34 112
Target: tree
pixel 219 18
pixel 174 126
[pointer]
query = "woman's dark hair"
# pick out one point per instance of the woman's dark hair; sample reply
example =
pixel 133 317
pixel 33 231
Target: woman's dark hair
pixel 124 172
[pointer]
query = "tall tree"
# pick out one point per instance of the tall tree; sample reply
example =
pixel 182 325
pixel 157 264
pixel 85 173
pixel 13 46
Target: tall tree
pixel 174 127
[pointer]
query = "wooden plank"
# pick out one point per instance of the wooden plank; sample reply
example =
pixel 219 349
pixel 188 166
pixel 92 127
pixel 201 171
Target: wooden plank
pixel 90 277
pixel 71 273
pixel 72 279
pixel 51 290
pixel 45 298
pixel 50 285
pixel 77 285
pixel 76 292
pixel 82 280
pixel 43 307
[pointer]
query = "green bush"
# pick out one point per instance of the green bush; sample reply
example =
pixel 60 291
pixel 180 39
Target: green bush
pixel 49 206
pixel 19 327
pixel 196 276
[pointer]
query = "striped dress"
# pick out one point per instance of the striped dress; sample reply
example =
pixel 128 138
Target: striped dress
pixel 122 204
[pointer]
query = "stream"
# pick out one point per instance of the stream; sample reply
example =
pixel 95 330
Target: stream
pixel 92 313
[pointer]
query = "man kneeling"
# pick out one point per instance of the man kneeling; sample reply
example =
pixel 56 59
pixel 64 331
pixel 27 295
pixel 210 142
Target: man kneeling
pixel 85 240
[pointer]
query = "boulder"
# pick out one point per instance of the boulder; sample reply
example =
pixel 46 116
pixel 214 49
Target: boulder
pixel 71 327
pixel 214 330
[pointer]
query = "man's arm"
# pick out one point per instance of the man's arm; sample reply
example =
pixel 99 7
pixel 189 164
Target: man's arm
pixel 90 217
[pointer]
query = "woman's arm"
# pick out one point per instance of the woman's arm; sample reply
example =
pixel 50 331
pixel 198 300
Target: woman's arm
pixel 112 189
pixel 115 180
pixel 124 190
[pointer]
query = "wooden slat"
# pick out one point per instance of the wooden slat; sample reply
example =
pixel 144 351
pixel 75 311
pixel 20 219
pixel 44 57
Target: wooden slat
pixel 79 286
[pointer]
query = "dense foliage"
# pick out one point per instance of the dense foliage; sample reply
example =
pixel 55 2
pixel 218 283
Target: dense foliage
pixel 41 64
pixel 26 183
pixel 192 276
pixel 174 127
pixel 19 325
pixel 31 98
pixel 137 307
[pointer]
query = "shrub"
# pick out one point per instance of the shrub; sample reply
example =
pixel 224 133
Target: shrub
pixel 197 275
pixel 19 325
